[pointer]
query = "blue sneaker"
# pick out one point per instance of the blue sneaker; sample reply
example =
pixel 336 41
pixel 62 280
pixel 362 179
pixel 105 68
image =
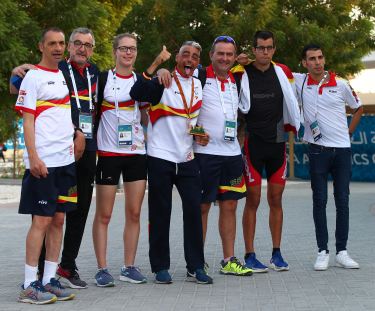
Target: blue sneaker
pixel 277 262
pixel 132 274
pixel 253 263
pixel 163 277
pixel 199 276
pixel 103 278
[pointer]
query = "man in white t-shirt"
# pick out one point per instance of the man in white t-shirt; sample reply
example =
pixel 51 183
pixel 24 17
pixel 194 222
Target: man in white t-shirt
pixel 220 162
pixel 49 187
pixel 323 96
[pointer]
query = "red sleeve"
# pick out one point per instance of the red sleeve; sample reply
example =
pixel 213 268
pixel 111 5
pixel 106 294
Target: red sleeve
pixel 286 70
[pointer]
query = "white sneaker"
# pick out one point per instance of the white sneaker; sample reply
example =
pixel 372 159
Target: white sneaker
pixel 343 260
pixel 322 262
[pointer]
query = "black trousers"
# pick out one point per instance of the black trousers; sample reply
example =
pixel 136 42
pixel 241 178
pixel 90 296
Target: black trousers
pixel 75 221
pixel 162 175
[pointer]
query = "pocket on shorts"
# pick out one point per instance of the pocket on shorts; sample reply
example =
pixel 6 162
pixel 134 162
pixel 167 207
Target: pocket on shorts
pixel 348 150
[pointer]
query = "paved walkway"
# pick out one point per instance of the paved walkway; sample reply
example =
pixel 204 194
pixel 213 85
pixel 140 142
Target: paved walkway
pixel 301 288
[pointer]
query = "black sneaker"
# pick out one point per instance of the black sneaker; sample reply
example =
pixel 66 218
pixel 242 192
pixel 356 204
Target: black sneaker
pixel 70 278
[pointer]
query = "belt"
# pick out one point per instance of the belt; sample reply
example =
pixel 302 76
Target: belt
pixel 324 147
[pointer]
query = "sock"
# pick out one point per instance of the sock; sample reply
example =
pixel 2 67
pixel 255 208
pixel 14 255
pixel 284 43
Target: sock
pixel 49 271
pixel 275 250
pixel 227 259
pixel 247 255
pixel 30 275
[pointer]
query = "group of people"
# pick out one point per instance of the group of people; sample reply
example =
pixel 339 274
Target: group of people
pixel 72 112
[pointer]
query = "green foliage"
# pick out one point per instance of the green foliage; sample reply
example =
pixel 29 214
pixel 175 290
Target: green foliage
pixel 22 23
pixel 344 29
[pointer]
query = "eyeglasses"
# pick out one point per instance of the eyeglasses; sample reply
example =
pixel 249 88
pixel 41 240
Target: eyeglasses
pixel 132 49
pixel 225 39
pixel 78 44
pixel 263 48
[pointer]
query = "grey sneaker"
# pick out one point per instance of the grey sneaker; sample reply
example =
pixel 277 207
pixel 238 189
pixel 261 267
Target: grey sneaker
pixel 60 292
pixel 36 294
pixel 132 274
pixel 103 278
pixel 70 278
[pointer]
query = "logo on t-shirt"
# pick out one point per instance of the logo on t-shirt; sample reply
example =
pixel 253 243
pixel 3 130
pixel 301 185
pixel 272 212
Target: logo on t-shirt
pixel 22 92
pixel 51 82
pixel 263 95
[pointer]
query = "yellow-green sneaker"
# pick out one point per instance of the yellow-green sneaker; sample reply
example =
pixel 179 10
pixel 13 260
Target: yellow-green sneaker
pixel 206 267
pixel 233 266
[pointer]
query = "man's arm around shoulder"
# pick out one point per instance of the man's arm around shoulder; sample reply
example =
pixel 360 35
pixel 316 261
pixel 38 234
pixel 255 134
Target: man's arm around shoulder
pixel 146 89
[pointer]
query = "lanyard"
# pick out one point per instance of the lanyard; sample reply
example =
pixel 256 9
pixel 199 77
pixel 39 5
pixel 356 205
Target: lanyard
pixel 222 99
pixel 116 100
pixel 183 95
pixel 317 93
pixel 75 86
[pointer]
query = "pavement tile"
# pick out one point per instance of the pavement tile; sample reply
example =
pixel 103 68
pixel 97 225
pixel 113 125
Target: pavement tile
pixel 301 288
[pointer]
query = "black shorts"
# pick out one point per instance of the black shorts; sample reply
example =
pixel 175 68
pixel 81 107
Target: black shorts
pixel 133 167
pixel 259 154
pixel 46 196
pixel 222 177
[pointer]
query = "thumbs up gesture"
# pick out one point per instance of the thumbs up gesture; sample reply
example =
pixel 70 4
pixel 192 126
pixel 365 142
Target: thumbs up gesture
pixel 163 56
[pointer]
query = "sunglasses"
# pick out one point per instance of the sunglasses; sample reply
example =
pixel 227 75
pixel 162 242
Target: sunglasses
pixel 225 39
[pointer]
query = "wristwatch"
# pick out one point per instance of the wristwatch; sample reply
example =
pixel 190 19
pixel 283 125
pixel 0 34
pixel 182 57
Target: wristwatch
pixel 77 129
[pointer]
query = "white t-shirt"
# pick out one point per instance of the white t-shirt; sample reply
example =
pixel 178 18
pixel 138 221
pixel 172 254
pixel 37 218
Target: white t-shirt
pixel 44 93
pixel 212 115
pixel 330 107
pixel 107 131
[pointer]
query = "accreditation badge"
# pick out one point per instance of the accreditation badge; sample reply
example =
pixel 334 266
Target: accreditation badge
pixel 315 131
pixel 124 135
pixel 85 124
pixel 229 130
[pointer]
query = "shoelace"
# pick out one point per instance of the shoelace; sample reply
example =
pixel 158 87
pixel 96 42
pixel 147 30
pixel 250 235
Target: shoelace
pixel 74 274
pixel 38 286
pixel 56 283
pixel 346 257
pixel 105 273
pixel 256 261
pixel 278 257
pixel 237 262
pixel 135 269
pixel 321 257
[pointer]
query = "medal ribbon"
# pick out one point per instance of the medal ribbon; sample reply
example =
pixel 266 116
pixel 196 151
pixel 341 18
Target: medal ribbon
pixel 183 95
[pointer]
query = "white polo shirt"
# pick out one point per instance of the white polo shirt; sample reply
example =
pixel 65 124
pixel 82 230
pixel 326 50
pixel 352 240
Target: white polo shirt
pixel 212 115
pixel 330 108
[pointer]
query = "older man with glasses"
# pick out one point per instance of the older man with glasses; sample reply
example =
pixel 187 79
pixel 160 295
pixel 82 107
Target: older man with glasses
pixel 270 89
pixel 83 75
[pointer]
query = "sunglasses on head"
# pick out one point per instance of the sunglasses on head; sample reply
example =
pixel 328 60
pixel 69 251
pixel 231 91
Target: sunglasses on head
pixel 225 39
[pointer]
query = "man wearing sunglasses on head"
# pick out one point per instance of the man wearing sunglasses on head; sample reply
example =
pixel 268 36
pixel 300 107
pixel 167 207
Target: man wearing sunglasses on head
pixel 83 76
pixel 273 110
pixel 220 162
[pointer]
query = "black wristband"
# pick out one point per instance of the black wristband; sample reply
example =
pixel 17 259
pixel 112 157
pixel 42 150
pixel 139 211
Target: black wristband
pixel 75 130
pixel 350 135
